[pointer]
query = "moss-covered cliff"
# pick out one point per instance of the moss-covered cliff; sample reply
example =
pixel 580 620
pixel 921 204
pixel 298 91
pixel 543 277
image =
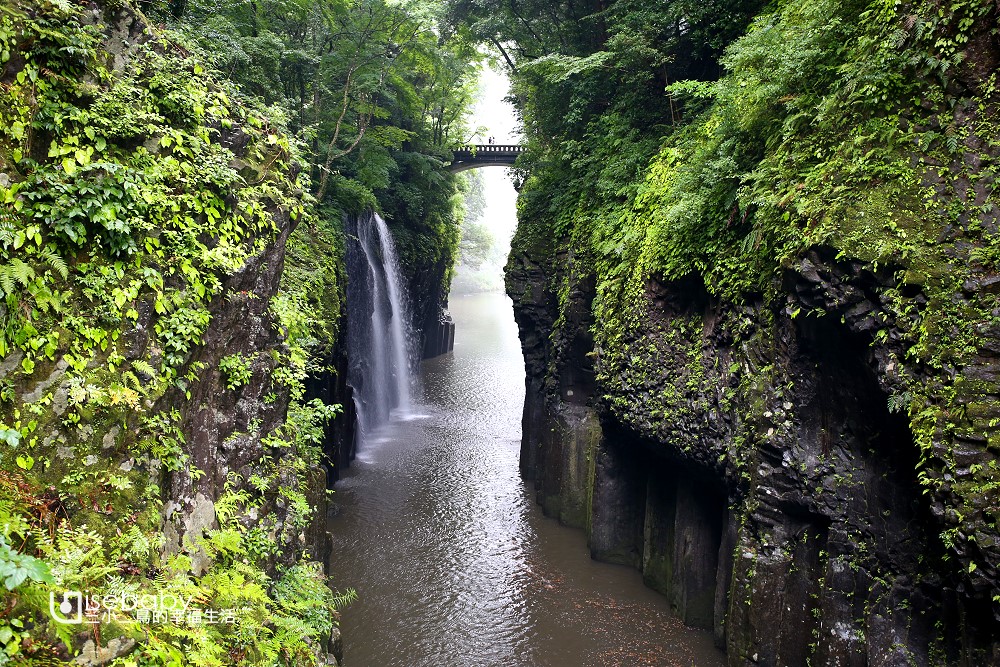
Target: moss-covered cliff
pixel 173 370
pixel 157 436
pixel 760 325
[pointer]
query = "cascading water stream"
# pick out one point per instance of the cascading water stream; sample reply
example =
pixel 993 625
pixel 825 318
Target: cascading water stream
pixel 399 340
pixel 378 326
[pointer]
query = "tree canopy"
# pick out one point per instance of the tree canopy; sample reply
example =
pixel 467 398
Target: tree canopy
pixel 369 84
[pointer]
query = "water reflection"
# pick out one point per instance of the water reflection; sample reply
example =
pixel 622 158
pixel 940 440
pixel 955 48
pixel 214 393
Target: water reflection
pixel 453 562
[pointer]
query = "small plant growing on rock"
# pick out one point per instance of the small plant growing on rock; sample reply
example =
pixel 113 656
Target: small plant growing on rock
pixel 237 370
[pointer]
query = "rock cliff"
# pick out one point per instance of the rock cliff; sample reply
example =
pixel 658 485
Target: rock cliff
pixel 754 466
pixel 159 438
pixel 808 467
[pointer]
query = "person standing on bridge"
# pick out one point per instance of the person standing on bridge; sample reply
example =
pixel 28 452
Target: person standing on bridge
pixel 491 140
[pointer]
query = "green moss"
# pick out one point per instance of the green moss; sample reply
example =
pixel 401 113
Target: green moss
pixel 124 215
pixel 837 125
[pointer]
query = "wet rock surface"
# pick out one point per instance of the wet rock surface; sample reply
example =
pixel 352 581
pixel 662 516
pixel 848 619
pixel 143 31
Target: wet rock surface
pixel 753 462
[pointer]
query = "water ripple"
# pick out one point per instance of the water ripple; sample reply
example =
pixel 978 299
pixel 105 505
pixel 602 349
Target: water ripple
pixel 454 565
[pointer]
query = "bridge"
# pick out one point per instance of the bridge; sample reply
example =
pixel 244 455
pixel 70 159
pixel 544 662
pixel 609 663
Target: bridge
pixel 485 155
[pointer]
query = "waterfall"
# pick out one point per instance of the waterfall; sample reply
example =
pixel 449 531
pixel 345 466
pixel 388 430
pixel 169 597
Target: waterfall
pixel 377 323
pixel 397 323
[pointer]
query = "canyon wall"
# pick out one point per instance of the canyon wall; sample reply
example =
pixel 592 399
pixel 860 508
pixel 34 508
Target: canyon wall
pixel 749 464
pixel 805 466
pixel 156 368
pixel 751 461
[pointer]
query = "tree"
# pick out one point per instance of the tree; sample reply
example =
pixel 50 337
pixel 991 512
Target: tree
pixel 356 77
pixel 476 245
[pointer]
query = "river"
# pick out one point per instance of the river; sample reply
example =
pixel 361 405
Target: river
pixel 454 563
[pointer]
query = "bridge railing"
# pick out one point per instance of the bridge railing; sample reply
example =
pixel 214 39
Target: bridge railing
pixel 489 148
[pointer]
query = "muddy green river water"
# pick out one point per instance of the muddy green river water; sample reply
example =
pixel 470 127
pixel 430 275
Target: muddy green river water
pixel 454 563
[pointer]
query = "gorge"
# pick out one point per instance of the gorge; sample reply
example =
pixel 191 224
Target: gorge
pixel 753 283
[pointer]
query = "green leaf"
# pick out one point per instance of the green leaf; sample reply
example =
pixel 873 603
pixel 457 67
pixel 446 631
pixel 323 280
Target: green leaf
pixel 38 570
pixel 15 579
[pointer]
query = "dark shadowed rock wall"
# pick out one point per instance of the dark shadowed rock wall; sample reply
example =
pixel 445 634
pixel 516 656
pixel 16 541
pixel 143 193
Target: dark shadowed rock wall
pixel 434 330
pixel 803 459
pixel 748 461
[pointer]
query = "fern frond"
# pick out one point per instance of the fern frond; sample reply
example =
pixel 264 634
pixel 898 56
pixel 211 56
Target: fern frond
pixel 44 298
pixel 131 380
pixel 54 260
pixel 144 368
pixel 21 271
pixel 341 600
pixel 230 504
pixel 6 280
pixel 15 272
pixel 6 232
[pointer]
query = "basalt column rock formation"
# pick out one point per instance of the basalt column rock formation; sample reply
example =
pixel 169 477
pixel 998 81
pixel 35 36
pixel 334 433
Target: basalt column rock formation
pixel 434 330
pixel 762 360
pixel 766 486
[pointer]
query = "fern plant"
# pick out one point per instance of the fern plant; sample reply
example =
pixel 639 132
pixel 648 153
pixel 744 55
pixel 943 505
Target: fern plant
pixel 15 272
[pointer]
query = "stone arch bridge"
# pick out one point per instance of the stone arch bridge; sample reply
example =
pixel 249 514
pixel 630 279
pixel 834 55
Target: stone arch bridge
pixel 485 155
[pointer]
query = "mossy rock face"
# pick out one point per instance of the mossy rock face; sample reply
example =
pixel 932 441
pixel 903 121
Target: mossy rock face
pixel 145 218
pixel 804 308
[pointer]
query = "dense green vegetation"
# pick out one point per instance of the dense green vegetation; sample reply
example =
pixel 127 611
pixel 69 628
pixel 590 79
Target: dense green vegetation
pixel 672 139
pixel 115 180
pixel 372 89
pixel 153 184
pixel 152 181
